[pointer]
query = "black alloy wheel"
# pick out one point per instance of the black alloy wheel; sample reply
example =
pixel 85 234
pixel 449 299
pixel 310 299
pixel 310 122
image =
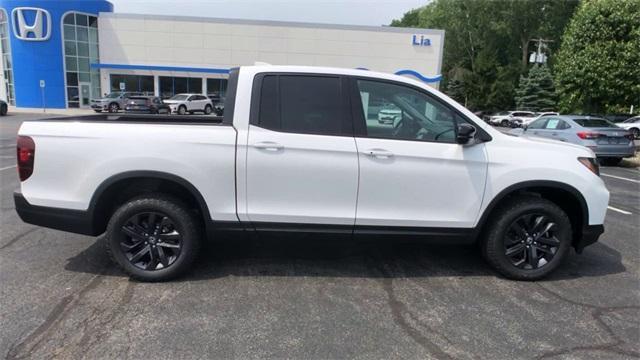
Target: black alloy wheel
pixel 530 242
pixel 154 237
pixel 151 241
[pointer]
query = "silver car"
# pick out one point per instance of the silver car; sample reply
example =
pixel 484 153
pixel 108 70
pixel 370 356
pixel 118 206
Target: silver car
pixel 608 141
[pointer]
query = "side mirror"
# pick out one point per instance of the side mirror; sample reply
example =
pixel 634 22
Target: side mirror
pixel 466 132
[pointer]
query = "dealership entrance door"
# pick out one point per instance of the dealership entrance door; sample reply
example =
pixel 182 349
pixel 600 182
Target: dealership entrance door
pixel 85 95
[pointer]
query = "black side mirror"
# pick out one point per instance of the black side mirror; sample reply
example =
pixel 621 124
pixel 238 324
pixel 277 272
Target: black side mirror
pixel 465 133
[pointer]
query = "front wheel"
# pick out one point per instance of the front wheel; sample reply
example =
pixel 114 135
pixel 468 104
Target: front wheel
pixel 504 123
pixel 182 110
pixel 153 238
pixel 3 110
pixel 113 108
pixel 635 132
pixel 527 238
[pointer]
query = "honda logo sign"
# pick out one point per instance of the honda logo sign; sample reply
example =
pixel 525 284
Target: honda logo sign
pixel 31 24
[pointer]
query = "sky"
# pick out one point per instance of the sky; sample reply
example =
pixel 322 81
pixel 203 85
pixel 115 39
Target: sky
pixel 350 12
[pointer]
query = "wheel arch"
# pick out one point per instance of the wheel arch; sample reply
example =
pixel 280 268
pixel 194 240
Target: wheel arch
pixel 568 198
pixel 119 188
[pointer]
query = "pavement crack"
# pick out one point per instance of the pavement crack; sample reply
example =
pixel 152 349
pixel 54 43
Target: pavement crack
pixel 26 347
pixel 18 237
pixel 597 312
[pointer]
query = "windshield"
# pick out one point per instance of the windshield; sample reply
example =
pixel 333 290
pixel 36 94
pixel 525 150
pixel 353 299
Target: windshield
pixel 595 123
pixel 501 113
pixel 179 97
pixel 113 95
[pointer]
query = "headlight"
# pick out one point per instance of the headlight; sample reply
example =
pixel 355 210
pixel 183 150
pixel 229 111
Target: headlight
pixel 591 164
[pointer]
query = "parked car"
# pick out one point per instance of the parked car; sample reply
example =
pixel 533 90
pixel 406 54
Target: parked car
pixel 504 118
pixel 190 103
pixel 528 120
pixel 633 125
pixel 290 155
pixel 389 114
pixel 146 105
pixel 112 102
pixel 517 121
pixel 609 142
pixel 4 108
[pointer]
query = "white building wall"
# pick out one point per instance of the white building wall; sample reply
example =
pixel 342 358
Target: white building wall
pixel 215 43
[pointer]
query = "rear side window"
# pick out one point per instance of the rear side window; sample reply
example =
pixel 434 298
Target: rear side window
pixel 538 124
pixel 303 104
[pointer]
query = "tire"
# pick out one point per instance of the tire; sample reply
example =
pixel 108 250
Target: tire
pixel 114 107
pixel 614 161
pixel 500 230
pixel 180 235
pixel 182 110
pixel 504 123
pixel 98 111
pixel 635 132
pixel 208 110
pixel 4 109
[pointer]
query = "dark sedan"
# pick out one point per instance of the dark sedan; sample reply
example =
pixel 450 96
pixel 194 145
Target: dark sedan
pixel 146 105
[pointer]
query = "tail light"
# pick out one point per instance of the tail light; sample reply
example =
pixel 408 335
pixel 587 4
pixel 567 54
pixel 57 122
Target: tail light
pixel 587 135
pixel 26 153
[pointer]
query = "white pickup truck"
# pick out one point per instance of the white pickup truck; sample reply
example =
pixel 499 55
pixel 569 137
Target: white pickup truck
pixel 295 152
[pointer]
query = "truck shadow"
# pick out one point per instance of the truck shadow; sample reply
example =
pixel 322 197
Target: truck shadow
pixel 300 255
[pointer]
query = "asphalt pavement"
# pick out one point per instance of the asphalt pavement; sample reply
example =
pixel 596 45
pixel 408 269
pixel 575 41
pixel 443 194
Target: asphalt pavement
pixel 305 298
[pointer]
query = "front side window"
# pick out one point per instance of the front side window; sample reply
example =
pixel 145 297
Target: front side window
pixel 304 104
pixel 395 111
pixel 538 124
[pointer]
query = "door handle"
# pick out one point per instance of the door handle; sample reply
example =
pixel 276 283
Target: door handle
pixel 379 153
pixel 268 145
pixel 554 134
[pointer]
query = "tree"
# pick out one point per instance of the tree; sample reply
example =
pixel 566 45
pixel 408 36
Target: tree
pixel 536 91
pixel 490 40
pixel 598 65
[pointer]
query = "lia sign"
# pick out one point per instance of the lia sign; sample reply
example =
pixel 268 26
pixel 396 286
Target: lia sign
pixel 420 41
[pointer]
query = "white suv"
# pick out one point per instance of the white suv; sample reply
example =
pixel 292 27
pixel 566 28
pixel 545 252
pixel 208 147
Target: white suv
pixel 504 118
pixel 190 103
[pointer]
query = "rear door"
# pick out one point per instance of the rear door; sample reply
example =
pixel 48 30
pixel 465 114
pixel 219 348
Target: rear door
pixel 412 172
pixel 302 163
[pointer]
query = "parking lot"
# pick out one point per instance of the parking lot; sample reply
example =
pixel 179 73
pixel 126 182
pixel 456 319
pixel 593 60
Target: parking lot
pixel 295 297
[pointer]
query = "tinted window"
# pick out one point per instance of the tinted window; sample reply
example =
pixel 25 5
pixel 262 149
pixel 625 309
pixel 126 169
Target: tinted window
pixel 301 104
pixel 594 123
pixel 399 112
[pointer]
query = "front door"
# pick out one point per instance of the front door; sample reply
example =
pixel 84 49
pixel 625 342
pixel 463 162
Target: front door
pixel 302 164
pixel 412 172
pixel 85 95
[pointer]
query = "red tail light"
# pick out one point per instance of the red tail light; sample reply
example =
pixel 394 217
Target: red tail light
pixel 26 153
pixel 587 135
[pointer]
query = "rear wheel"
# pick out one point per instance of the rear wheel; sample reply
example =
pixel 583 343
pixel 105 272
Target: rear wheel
pixel 504 123
pixel 208 109
pixel 114 107
pixel 153 238
pixel 4 109
pixel 527 238
pixel 635 132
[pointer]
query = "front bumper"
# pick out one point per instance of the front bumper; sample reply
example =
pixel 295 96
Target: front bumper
pixel 75 221
pixel 99 106
pixel 590 235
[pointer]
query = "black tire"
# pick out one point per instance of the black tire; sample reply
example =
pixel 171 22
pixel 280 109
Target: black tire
pixel 499 230
pixel 635 132
pixel 208 109
pixel 182 110
pixel 504 123
pixel 3 110
pixel 185 234
pixel 114 107
pixel 98 111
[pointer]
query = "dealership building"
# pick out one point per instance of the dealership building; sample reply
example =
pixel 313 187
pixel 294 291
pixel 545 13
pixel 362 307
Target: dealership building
pixel 62 53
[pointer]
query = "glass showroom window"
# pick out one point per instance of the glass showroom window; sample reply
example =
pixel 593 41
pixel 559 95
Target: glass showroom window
pixel 170 86
pixel 133 83
pixel 80 33
pixel 216 89
pixel 7 64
